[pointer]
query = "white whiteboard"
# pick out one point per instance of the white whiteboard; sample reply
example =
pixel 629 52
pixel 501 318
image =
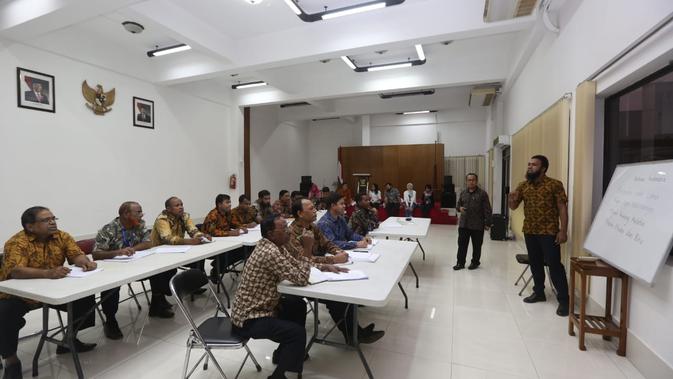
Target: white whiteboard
pixel 633 228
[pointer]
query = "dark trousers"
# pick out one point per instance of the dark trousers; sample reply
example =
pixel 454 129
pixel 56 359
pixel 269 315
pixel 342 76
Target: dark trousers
pixel 464 236
pixel 13 309
pixel 426 209
pixel 541 249
pixel 393 209
pixel 288 330
pixel 230 258
pixel 160 286
pixel 342 315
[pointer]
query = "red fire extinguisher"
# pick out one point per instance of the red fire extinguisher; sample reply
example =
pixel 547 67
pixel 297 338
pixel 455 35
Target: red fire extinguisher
pixel 232 181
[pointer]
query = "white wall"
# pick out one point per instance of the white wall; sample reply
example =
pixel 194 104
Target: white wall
pixel 325 138
pixel 590 38
pixel 463 132
pixel 278 151
pixel 83 166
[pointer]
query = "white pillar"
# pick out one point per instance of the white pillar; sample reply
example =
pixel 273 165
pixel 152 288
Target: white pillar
pixel 366 130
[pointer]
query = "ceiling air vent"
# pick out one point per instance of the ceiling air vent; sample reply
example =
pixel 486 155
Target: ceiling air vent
pixel 391 95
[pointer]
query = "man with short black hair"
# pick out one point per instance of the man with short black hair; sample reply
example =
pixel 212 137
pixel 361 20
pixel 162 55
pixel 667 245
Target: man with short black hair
pixel 334 226
pixel 263 204
pixel 391 200
pixel 545 203
pixel 219 223
pixel 260 311
pixel 39 252
pixel 307 242
pixel 365 218
pixel 172 224
pixel 245 215
pixel 283 206
pixel 475 217
pixel 124 236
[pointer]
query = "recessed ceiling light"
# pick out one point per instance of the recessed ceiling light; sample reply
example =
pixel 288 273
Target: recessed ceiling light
pixel 418 112
pixel 355 10
pixel 258 83
pixel 348 62
pixel 293 6
pixel 168 50
pixel 133 27
pixel 389 66
pixel 420 52
pixel 254 1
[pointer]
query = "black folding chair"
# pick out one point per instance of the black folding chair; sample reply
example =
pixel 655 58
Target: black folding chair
pixel 523 259
pixel 215 332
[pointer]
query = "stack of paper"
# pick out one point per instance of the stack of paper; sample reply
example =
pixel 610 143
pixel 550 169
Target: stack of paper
pixel 318 276
pixel 356 256
pixel 173 249
pixel 77 272
pixel 369 247
pixel 136 256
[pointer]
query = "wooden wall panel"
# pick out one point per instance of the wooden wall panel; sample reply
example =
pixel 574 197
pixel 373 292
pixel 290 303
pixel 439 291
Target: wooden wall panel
pixel 398 164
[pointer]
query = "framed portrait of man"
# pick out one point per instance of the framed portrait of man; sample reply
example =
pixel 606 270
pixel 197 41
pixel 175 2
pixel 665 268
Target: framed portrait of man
pixel 143 113
pixel 35 90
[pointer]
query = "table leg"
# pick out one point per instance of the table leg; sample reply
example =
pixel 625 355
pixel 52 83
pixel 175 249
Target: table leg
pixel 315 326
pixel 571 307
pixel 608 303
pixel 43 337
pixel 415 274
pixel 219 280
pixel 623 316
pixel 356 342
pixel 70 341
pixel 406 299
pixel 583 306
pixel 421 246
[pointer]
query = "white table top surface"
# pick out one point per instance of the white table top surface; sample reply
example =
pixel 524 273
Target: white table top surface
pixel 114 274
pixel 416 228
pixel 375 291
pixel 248 239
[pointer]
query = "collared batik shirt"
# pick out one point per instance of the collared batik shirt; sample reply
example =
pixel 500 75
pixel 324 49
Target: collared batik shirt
pixel 263 210
pixel 478 212
pixel 321 246
pixel 363 221
pixel 24 250
pixel 242 217
pixel 217 224
pixel 114 236
pixel 257 295
pixel 540 207
pixel 170 230
pixel 337 231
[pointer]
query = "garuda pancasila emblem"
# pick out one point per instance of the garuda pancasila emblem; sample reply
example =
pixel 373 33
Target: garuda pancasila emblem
pixel 97 100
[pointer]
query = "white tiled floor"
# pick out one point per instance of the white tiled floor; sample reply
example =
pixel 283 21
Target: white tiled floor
pixel 459 325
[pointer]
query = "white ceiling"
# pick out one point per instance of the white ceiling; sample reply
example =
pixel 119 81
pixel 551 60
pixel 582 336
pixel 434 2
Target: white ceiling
pixel 269 42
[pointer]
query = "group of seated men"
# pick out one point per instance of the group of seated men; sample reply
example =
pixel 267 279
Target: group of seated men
pixel 259 311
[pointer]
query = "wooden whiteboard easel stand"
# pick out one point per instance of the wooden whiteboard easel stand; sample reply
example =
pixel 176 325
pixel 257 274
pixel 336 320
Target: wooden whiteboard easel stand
pixel 603 325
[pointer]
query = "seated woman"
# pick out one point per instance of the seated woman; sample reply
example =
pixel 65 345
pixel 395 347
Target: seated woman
pixel 428 201
pixel 409 200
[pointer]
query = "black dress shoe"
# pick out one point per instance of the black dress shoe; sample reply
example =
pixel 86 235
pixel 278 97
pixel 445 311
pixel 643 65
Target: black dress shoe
pixel 13 371
pixel 161 312
pixel 473 266
pixel 458 267
pixel 111 330
pixel 534 298
pixel 371 337
pixel 369 328
pixel 562 309
pixel 80 346
pixel 274 357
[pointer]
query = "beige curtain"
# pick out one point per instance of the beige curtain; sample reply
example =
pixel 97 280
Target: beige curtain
pixel 585 127
pixel 458 167
pixel 548 135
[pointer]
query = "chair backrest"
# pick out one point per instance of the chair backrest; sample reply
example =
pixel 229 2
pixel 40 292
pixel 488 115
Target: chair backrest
pixel 86 245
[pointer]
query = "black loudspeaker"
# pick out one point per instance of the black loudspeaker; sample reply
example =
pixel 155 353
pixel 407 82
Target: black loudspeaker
pixel 499 227
pixel 304 188
pixel 448 183
pixel 448 200
pixel 306 179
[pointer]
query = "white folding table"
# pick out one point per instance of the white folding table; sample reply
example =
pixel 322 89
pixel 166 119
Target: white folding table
pixel 113 274
pixel 375 291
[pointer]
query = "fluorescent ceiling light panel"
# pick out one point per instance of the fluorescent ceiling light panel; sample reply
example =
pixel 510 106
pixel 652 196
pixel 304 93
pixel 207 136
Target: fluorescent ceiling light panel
pixel 420 52
pixel 389 67
pixel 168 50
pixel 249 85
pixel 355 10
pixel 293 6
pixel 416 112
pixel 348 61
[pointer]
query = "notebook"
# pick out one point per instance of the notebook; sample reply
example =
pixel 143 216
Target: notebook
pixel 173 249
pixel 123 258
pixel 77 272
pixel 318 276
pixel 369 247
pixel 356 256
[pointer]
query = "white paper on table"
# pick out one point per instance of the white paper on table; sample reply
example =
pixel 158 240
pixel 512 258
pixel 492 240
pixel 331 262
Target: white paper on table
pixel 364 257
pixel 173 249
pixel 368 248
pixel 349 262
pixel 318 276
pixel 77 272
pixel 125 258
pixel 258 227
pixel 392 225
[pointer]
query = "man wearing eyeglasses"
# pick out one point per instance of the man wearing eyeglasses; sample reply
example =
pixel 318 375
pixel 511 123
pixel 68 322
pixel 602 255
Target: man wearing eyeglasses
pixel 123 236
pixel 38 251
